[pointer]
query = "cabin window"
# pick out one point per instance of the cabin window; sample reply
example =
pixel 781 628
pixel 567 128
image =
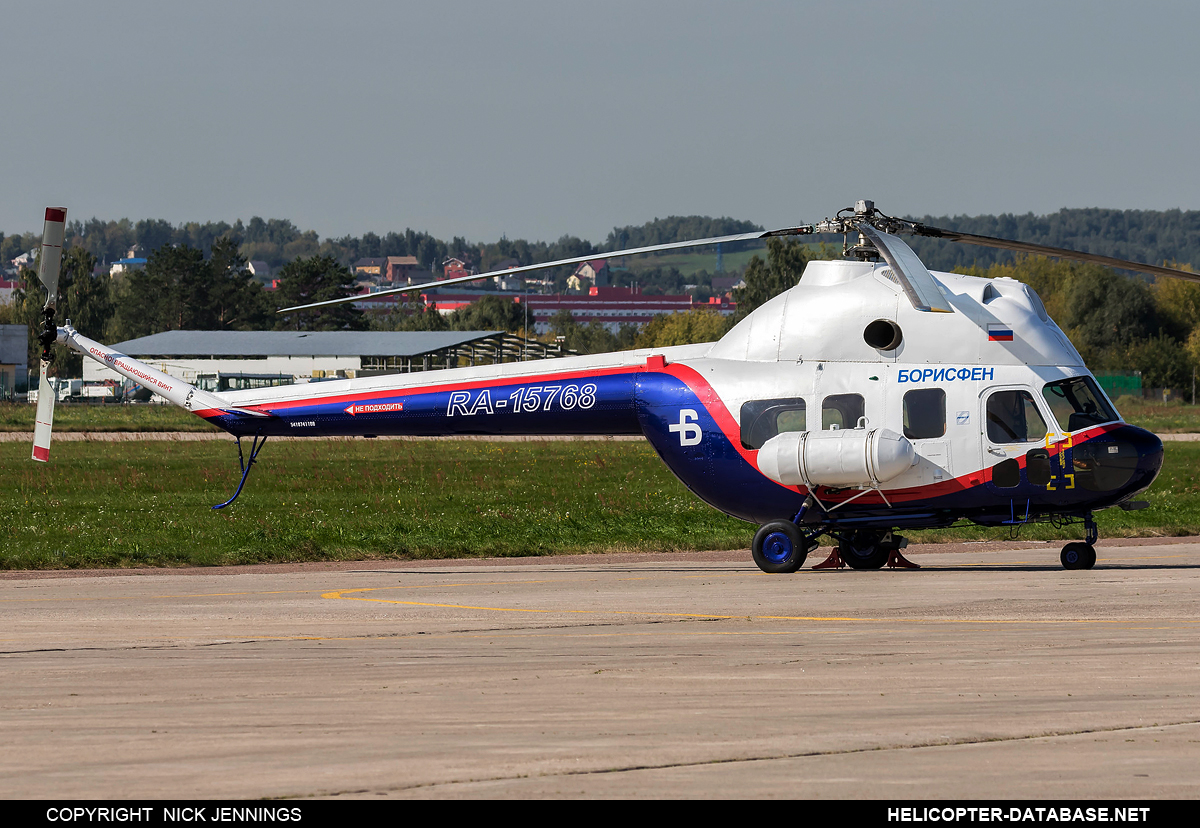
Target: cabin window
pixel 1078 403
pixel 842 411
pixel 924 413
pixel 763 419
pixel 1013 417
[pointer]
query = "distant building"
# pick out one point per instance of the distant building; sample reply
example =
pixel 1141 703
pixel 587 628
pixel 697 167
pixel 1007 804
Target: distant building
pixel 260 270
pixel 8 289
pixel 611 307
pixel 725 284
pixel 125 265
pixel 398 268
pixel 454 268
pixel 14 354
pixel 589 274
pixel 514 282
pixel 231 360
pixel 371 267
pixel 26 259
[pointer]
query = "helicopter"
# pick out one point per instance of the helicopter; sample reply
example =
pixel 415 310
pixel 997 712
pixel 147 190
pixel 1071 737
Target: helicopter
pixel 874 396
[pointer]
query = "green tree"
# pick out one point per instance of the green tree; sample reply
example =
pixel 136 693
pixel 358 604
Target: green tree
pixel 765 280
pixel 1106 313
pixel 317 279
pixel 413 314
pixel 1178 304
pixel 235 300
pixel 82 298
pixel 86 298
pixel 1163 361
pixel 490 313
pixel 695 325
pixel 592 338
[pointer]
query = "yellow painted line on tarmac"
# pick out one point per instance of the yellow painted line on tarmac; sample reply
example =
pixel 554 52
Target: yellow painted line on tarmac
pixel 342 595
pixel 346 595
pixel 236 594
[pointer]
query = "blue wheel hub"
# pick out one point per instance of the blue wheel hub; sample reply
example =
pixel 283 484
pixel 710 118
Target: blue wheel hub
pixel 1072 556
pixel 777 548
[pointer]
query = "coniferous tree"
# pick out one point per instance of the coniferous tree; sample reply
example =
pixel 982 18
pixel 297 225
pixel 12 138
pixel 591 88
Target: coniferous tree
pixel 317 279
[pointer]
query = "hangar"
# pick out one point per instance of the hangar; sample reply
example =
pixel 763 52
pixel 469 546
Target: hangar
pixel 231 360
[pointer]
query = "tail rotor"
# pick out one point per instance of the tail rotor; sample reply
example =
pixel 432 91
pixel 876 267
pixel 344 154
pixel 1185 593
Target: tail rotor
pixel 49 264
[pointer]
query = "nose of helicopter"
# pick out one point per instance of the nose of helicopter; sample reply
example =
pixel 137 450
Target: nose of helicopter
pixel 1124 461
pixel 1150 453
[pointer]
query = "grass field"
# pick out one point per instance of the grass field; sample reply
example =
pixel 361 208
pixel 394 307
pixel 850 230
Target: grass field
pixel 147 503
pixel 110 417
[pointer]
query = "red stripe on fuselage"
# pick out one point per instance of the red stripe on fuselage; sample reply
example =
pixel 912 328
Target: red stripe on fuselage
pixel 712 403
pixel 492 382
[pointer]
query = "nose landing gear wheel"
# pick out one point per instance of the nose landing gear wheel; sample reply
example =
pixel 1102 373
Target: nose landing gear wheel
pixel 779 547
pixel 1078 556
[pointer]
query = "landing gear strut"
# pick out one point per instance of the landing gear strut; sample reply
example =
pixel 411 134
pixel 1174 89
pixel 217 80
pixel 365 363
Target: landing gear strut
pixel 1082 555
pixel 780 546
pixel 255 448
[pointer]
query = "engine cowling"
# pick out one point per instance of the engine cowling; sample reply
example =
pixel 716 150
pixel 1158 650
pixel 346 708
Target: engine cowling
pixel 850 458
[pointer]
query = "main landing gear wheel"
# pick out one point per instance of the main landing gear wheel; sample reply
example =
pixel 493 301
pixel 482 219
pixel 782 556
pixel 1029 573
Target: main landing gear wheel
pixel 864 549
pixel 1078 556
pixel 779 547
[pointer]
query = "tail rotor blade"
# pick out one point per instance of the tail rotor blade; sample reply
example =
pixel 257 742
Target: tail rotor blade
pixel 50 261
pixel 44 421
pixel 49 266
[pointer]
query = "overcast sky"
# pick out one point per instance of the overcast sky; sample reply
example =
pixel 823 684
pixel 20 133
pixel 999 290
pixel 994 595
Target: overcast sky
pixel 538 119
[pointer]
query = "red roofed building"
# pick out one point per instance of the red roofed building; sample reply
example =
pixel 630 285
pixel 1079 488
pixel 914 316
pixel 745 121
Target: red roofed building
pixel 589 274
pixel 453 268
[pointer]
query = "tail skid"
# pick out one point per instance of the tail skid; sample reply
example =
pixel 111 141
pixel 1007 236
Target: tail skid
pixel 170 388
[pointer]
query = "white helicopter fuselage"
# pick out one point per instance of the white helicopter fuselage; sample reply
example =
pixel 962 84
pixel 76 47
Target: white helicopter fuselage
pixel 922 420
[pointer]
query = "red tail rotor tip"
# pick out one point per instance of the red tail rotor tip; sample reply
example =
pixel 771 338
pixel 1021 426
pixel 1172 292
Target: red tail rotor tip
pixel 56 214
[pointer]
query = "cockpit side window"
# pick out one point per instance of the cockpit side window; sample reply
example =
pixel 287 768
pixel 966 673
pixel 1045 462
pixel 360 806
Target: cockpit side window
pixel 1077 403
pixel 763 419
pixel 1013 417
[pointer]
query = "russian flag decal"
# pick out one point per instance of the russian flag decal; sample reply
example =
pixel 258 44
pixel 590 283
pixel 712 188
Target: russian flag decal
pixel 999 333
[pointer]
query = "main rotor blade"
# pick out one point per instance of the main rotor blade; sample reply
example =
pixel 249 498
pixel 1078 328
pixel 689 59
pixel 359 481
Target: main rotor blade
pixel 1057 252
pixel 50 261
pixel 915 279
pixel 802 230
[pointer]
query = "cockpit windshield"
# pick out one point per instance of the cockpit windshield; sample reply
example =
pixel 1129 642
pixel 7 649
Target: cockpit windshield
pixel 1077 403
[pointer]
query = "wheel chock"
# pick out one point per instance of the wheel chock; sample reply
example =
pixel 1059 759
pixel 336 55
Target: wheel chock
pixel 834 561
pixel 898 561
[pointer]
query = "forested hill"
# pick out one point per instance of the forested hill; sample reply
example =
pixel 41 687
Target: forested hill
pixel 1140 235
pixel 676 229
pixel 1150 236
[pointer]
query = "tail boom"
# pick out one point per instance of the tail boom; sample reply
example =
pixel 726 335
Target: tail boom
pixel 170 388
